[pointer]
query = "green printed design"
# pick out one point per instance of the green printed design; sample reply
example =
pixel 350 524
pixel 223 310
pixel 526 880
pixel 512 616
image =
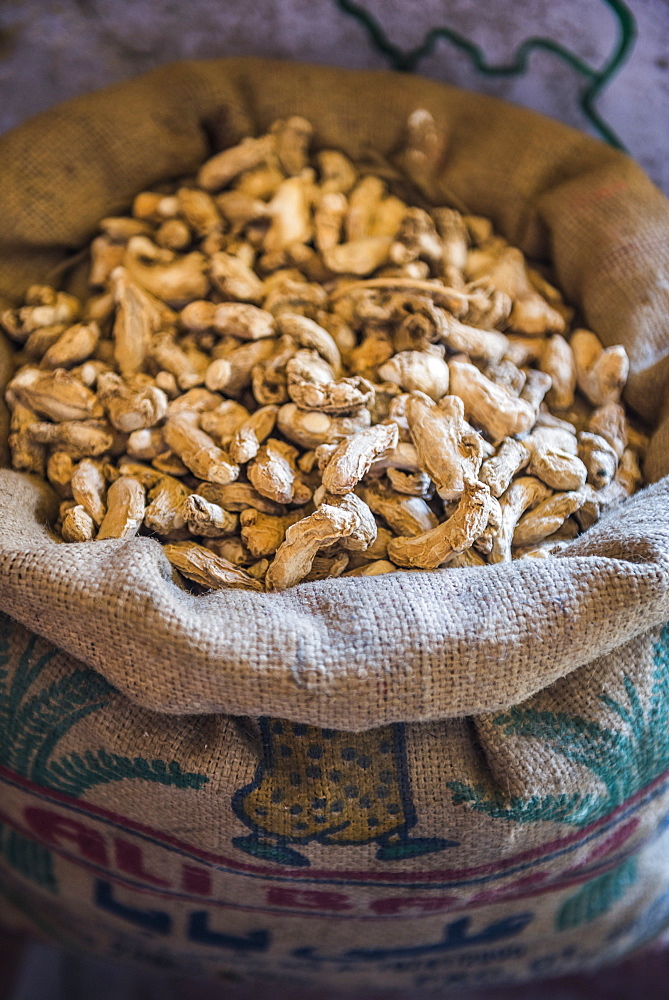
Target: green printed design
pixel 624 760
pixel 28 858
pixel 32 725
pixel 595 80
pixel 596 897
pixel 76 773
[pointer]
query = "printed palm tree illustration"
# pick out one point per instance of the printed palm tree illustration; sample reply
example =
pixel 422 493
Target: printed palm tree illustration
pixel 597 896
pixel 624 760
pixel 32 723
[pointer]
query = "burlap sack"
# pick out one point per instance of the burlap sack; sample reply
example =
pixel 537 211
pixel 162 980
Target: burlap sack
pixel 420 780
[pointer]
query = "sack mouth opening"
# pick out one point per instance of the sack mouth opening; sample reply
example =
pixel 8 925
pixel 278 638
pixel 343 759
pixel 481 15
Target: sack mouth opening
pixel 589 170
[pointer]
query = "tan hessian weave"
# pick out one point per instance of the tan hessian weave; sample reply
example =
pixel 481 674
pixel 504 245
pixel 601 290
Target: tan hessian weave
pixel 356 653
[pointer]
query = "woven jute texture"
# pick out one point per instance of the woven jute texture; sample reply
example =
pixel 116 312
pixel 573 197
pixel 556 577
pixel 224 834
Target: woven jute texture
pixel 423 779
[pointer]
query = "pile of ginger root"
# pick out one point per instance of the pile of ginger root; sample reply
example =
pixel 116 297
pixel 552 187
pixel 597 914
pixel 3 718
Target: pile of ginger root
pixel 286 371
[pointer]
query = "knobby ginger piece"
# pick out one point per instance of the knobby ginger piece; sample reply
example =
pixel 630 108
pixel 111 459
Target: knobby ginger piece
pixel 562 438
pixel 304 428
pixel 543 550
pixel 198 451
pixel 225 166
pixel 523 493
pixel 327 567
pixel 232 549
pixel 293 136
pixel 164 513
pixel 28 453
pixel 42 340
pixel 417 484
pixel 238 319
pixel 328 524
pixel 329 215
pixel 417 239
pixel 56 395
pixel 309 334
pixel 629 475
pixel 274 474
pixel 359 257
pixel 377 549
pixel 89 488
pixel 76 344
pixel 449 539
pixel 199 210
pixel 376 568
pixel 403 457
pixel 416 371
pixel 363 204
pixel 490 406
pixel 481 345
pixel 467 559
pixel 79 438
pixel 507 375
pixel 505 268
pixel 45 307
pixel 498 470
pixel 610 422
pixel 152 205
pixel 146 444
pixel 437 434
pixel 336 398
pixel 290 213
pixel 206 518
pixel 483 543
pixel 233 373
pixel 248 437
pixel 599 458
pixel 130 410
pixel 269 378
pixel 308 366
pixel 405 515
pixel 264 533
pixel 537 384
pixel 364 533
pixel 239 496
pixel 600 374
pixel 138 317
pixel 235 280
pixel 558 362
pixel 353 458
pixel 222 421
pixel 125 509
pixel 454 244
pixel 77 525
pixel 173 234
pixel 212 571
pixel 558 469
pixel 165 352
pixel 546 518
pixel 59 469
pixel 336 170
pixel 175 282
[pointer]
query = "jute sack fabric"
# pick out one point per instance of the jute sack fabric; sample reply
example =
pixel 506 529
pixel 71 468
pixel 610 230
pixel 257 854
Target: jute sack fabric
pixel 415 780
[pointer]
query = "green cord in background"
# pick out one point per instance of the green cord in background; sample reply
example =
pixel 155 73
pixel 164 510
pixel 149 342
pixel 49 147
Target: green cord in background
pixel 407 61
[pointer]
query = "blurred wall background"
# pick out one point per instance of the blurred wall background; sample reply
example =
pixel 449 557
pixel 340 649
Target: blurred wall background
pixel 600 65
